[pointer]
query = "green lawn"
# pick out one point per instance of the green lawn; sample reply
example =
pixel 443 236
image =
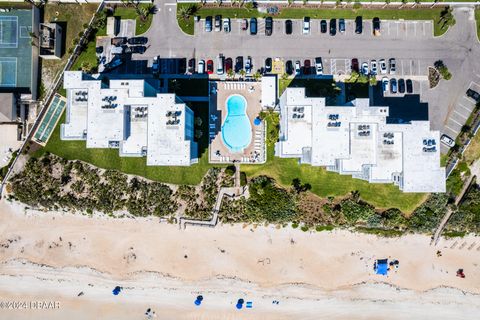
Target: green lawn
pixel 299 13
pixel 130 13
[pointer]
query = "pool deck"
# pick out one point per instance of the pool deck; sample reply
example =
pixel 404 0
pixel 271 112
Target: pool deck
pixel 255 152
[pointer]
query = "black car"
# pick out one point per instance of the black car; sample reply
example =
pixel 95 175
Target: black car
pixel 409 86
pixel 253 26
pixel 268 26
pixel 358 25
pixel 238 64
pixel 268 65
pixel 99 49
pixel 323 26
pixel 401 85
pixel 208 24
pixel 137 40
pixel 218 23
pixel 182 66
pixel 191 65
pixel 289 67
pixel 376 26
pixel 288 26
pixel 333 27
pixel 138 49
pixel 473 94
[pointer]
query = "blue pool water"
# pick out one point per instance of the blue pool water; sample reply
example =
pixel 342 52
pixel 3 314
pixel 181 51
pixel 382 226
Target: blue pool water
pixel 236 130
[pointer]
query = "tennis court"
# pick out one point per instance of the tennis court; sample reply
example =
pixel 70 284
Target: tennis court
pixel 50 119
pixel 16 49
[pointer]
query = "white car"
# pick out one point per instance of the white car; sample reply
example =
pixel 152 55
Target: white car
pixel 318 66
pixel 365 70
pixel 383 66
pixel 298 67
pixel 373 67
pixel 248 65
pixel 447 140
pixel 226 24
pixel 201 67
pixel 220 62
pixel 306 25
pixel 385 83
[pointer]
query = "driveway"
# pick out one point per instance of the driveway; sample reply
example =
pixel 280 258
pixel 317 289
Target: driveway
pixel 410 42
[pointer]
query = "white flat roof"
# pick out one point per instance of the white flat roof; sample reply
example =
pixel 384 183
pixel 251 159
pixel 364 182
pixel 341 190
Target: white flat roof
pixel 166 142
pixel 355 139
pixel 269 91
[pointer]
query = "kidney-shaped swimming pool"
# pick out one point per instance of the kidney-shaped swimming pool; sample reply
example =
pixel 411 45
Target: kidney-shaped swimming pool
pixel 236 130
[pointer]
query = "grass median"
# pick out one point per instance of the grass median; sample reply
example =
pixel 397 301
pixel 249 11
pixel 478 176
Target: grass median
pixel 433 14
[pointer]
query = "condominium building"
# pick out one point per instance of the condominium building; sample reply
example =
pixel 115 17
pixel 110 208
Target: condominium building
pixel 355 139
pixel 129 114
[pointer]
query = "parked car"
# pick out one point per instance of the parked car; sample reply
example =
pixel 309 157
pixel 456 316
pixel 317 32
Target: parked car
pixel 119 50
pixel 393 65
pixel 208 24
pixel 409 86
pixel 201 67
pixel 401 85
pixel 393 85
pixel 268 65
pixel 306 66
pixel 323 26
pixel 473 94
pixel 365 70
pixel 376 26
pixel 182 66
pixel 220 63
pixel 244 24
pixel 191 65
pixel 138 49
pixel 253 26
pixel 156 65
pixel 298 68
pixel 137 40
pixel 218 23
pixel 385 84
pixel 318 66
pixel 116 62
pixel 99 50
pixel 358 25
pixel 248 65
pixel 383 66
pixel 306 25
pixel 373 67
pixel 288 26
pixel 289 67
pixel 341 25
pixel 210 66
pixel 226 25
pixel 333 27
pixel 228 64
pixel 118 41
pixel 268 26
pixel 354 65
pixel 449 142
pixel 238 64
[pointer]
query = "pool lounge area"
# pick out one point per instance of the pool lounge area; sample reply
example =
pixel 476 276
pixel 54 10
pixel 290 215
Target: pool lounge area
pixel 235 132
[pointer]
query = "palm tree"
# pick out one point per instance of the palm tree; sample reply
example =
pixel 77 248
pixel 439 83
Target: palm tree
pixel 186 11
pixel 242 73
pixel 256 76
pixel 230 73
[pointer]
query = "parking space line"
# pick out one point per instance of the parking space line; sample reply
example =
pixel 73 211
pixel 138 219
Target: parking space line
pixel 451 119
pixel 424 29
pixel 453 130
pixel 461 115
pixel 469 110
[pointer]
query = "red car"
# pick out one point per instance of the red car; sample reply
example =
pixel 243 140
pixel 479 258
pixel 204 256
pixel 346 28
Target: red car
pixel 355 64
pixel 306 67
pixel 228 64
pixel 209 66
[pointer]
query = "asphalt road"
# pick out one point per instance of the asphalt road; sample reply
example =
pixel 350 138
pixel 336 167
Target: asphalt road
pixel 411 43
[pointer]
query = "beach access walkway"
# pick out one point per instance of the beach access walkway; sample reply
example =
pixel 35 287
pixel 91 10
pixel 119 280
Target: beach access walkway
pixel 448 214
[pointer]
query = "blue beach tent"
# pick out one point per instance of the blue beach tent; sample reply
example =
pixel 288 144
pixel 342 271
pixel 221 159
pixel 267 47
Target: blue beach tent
pixel 381 267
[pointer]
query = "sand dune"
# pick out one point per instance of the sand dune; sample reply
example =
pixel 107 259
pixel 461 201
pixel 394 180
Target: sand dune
pixel 55 256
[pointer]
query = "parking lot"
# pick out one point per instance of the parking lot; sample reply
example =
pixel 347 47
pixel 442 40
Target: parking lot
pixel 461 111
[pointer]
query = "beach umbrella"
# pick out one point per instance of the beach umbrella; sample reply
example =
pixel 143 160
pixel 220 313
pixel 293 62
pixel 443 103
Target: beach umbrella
pixel 199 300
pixel 257 121
pixel 116 290
pixel 240 304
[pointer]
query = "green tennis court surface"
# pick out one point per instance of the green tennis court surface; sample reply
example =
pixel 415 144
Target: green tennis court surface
pixel 50 119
